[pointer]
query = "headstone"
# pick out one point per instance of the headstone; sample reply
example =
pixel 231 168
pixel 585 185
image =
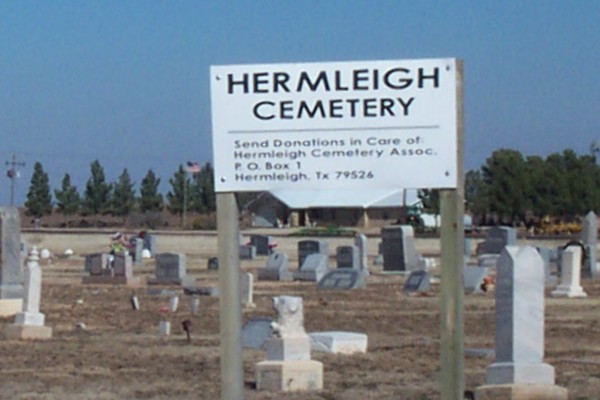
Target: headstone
pixel 95 263
pixel 399 253
pixel 123 265
pixel 170 268
pixel 473 278
pixel 546 255
pixel 247 289
pixel 277 268
pixel 247 252
pixel 288 366
pixel 417 281
pixel 487 260
pixel 338 342
pixel 498 237
pixel 570 277
pixel 29 323
pixel 150 243
pixel 138 247
pixel 256 332
pixel 117 272
pixel 213 264
pixel 342 279
pixel 360 241
pixel 307 247
pixel 212 291
pixel 347 257
pixel 262 243
pixel 11 264
pixel 194 305
pixel 589 237
pixel 164 328
pixel 173 303
pixel 315 266
pixel 520 320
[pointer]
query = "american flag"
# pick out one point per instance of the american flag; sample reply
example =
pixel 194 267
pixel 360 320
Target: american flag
pixel 193 167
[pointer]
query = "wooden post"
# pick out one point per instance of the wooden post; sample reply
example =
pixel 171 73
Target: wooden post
pixel 230 309
pixel 452 260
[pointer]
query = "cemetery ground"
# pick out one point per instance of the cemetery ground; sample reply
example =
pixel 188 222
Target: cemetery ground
pixel 103 349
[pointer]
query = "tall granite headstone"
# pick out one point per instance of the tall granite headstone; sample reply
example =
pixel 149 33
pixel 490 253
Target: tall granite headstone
pixel 360 241
pixel 519 371
pixel 399 252
pixel 520 319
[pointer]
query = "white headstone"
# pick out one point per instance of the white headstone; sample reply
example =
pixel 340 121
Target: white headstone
pixel 520 320
pixel 570 274
pixel 30 314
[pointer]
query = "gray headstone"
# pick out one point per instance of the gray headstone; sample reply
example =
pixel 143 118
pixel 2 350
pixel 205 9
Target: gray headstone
pixel 94 263
pixel 520 320
pixel 170 267
pixel 277 268
pixel 150 243
pixel 399 253
pixel 347 257
pixel 255 333
pixel 313 268
pixel 498 237
pixel 417 281
pixel 213 263
pixel 307 247
pixel 123 265
pixel 247 252
pixel 342 279
pixel 546 255
pixel 360 241
pixel 589 237
pixel 137 250
pixel 473 278
pixel 246 288
pixel 262 243
pixel 11 263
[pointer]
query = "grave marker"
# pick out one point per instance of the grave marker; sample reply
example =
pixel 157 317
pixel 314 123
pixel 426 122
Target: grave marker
pixel 277 268
pixel 398 248
pixel 29 323
pixel 307 247
pixel 256 332
pixel 571 273
pixel 589 237
pixel 11 264
pixel 519 365
pixel 314 267
pixel 498 237
pixel 417 281
pixel 347 257
pixel 170 269
pixel 263 244
pixel 342 279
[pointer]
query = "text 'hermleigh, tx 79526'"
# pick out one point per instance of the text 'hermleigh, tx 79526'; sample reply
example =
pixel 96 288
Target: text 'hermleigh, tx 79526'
pixel 367 124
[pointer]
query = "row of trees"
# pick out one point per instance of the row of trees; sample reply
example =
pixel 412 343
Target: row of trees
pixel 189 192
pixel 510 188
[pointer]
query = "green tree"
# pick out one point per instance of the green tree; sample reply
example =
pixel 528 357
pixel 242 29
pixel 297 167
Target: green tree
pixel 123 198
pixel 203 197
pixel 97 196
pixel 475 201
pixel 68 200
pixel 506 185
pixel 150 198
pixel 39 199
pixel 179 195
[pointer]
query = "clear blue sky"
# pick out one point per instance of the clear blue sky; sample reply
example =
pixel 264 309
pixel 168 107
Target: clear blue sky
pixel 127 82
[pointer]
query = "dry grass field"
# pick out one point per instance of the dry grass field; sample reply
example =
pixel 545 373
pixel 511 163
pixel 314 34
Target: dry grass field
pixel 119 354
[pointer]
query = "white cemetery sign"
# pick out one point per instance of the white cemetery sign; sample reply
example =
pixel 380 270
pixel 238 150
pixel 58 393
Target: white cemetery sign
pixel 335 125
